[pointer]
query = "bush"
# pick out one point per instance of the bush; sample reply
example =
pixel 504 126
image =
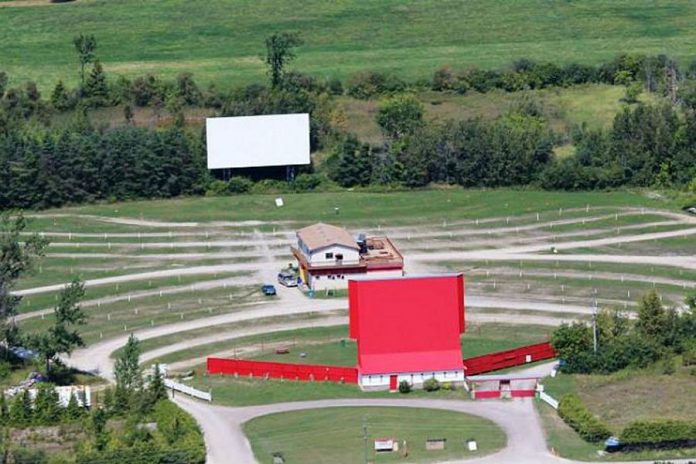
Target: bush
pixel 431 385
pixel 368 84
pixel 239 185
pixel 664 433
pixel 448 386
pixel 404 387
pixel 307 182
pixel 576 415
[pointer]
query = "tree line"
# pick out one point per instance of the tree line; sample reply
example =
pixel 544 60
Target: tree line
pixel 44 164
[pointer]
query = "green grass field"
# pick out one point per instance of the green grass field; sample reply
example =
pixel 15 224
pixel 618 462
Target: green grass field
pixel 393 208
pixel 222 40
pixel 644 395
pixel 312 436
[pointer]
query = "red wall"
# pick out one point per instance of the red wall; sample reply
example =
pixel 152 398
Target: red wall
pixel 288 371
pixel 503 359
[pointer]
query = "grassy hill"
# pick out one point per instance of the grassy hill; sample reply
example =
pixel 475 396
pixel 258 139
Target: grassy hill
pixel 222 40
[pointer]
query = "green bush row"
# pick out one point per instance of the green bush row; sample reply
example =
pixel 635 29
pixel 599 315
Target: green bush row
pixel 663 433
pixel 575 414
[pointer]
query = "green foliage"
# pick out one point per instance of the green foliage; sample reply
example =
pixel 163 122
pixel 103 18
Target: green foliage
pixel 21 413
pixel 47 409
pixel 63 336
pixel 652 316
pixel 156 389
pixel 17 255
pixel 73 412
pixel 353 165
pixel 307 182
pixel 400 116
pixel 239 185
pixel 96 89
pixel 369 84
pixel 663 433
pixel 60 98
pixel 279 52
pixel 431 385
pixel 129 377
pixel 187 89
pixel 404 387
pixel 85 45
pixel 572 410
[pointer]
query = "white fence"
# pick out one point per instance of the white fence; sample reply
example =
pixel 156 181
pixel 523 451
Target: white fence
pixel 548 399
pixel 180 387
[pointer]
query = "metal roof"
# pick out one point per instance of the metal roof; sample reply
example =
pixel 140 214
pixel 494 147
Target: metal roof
pixel 320 235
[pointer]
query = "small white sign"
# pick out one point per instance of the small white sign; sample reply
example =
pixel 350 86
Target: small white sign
pixel 528 358
pixel 471 444
pixel 279 202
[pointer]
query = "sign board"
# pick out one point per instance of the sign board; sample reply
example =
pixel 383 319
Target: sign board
pixel 279 202
pixel 384 444
pixel 472 445
pixel 256 141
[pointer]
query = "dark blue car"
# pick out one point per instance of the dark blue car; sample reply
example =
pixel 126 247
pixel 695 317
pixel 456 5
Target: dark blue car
pixel 268 290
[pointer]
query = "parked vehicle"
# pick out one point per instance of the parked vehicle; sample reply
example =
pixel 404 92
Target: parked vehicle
pixel 287 279
pixel 268 290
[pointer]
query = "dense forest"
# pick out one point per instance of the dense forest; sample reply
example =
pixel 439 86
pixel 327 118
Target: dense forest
pixel 46 163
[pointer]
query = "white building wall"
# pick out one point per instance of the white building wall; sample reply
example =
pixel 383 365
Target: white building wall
pixel 381 382
pixel 328 282
pixel 386 273
pixel 318 257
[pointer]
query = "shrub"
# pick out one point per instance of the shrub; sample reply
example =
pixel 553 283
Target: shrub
pixel 239 185
pixel 431 385
pixel 368 84
pixel 668 368
pixel 576 415
pixel 306 182
pixel 448 386
pixel 404 387
pixel 217 188
pixel 663 433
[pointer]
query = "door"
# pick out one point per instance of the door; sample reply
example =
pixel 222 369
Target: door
pixel 392 382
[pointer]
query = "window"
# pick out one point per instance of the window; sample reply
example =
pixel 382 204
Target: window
pixel 328 255
pixel 339 256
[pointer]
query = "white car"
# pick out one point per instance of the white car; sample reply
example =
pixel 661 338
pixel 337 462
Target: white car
pixel 287 279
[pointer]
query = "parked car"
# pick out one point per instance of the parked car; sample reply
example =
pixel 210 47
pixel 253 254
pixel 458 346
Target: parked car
pixel 691 210
pixel 268 290
pixel 287 279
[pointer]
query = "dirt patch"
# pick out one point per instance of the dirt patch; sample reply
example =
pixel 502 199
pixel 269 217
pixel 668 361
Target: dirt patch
pixel 20 3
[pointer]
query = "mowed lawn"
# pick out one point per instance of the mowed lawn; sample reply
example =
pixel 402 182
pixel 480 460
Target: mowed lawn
pixel 222 40
pixel 431 207
pixel 335 435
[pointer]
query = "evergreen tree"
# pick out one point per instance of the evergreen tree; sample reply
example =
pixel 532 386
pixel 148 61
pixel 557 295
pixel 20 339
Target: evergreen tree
pixel 157 391
pixel 73 412
pixel 60 98
pixel 96 88
pixel 129 377
pixel 279 52
pixel 4 413
pixel 652 316
pixel 62 337
pixel 47 410
pixel 20 413
pixel 17 255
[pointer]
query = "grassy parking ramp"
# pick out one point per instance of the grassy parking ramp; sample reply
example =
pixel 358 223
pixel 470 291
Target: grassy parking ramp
pixel 335 435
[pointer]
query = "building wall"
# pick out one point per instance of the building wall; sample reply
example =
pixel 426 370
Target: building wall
pixel 328 282
pixel 318 257
pixel 386 273
pixel 381 382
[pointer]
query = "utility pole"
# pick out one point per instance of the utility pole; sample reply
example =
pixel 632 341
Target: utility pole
pixel 594 326
pixel 364 426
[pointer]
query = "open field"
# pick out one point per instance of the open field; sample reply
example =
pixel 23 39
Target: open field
pixel 341 38
pixel 293 432
pixel 184 274
pixel 644 395
pixel 593 105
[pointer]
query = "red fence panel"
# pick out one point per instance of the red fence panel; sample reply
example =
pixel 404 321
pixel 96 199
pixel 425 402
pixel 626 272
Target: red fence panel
pixel 486 394
pixel 274 370
pixel 509 358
